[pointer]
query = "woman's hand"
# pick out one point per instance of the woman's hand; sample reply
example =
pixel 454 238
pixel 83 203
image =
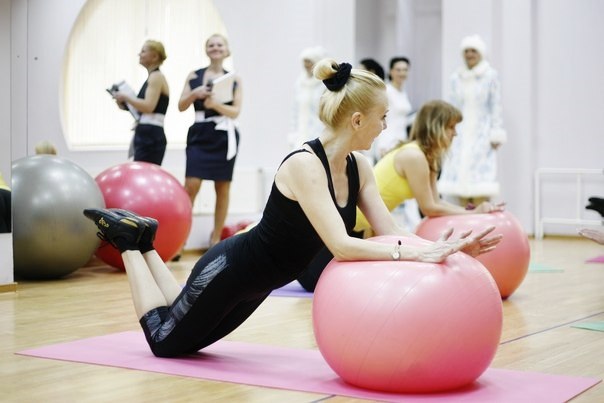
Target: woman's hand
pixel 473 246
pixel 120 97
pixel 209 103
pixel 486 207
pixel 480 244
pixel 202 92
pixel 593 234
pixel 121 105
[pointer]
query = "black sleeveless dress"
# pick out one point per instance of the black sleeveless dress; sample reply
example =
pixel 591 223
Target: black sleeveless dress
pixel 150 140
pixel 206 146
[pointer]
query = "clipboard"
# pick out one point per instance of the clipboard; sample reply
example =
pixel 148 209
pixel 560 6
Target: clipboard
pixel 222 88
pixel 125 88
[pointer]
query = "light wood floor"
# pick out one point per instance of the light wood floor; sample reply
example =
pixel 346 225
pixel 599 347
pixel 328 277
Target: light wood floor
pixel 95 300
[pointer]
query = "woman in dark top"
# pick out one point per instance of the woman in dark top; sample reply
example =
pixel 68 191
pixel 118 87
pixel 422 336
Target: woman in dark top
pixel 152 102
pixel 212 141
pixel 311 204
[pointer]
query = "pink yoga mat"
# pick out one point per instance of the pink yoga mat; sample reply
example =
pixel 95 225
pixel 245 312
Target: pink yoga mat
pixel 597 259
pixel 300 369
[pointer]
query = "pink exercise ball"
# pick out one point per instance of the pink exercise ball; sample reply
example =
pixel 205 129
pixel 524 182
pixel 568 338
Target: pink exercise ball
pixel 508 263
pixel 407 327
pixel 147 190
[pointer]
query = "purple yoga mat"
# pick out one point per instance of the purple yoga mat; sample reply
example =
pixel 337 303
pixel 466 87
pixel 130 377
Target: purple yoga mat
pixel 293 289
pixel 301 370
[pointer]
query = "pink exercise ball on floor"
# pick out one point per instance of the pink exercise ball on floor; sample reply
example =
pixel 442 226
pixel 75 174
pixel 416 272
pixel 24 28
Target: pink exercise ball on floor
pixel 508 263
pixel 148 190
pixel 407 327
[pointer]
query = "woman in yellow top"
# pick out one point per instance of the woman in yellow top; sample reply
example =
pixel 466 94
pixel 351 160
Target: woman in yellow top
pixel 409 171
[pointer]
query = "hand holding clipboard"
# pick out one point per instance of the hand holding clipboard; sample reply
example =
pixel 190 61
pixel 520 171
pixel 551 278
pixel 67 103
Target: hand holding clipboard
pixel 222 88
pixel 122 86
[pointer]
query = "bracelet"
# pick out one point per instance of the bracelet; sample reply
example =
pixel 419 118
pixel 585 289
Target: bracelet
pixel 396 254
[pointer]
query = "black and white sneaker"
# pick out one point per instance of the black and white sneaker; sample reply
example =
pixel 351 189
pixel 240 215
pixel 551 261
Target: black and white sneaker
pixel 124 233
pixel 151 224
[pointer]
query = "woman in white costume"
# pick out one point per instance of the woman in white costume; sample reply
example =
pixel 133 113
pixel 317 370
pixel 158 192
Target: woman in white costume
pixel 399 108
pixel 469 172
pixel 307 92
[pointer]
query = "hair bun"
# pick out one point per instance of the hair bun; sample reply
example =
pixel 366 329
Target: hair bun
pixel 338 80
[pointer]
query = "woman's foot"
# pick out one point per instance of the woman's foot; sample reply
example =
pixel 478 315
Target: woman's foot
pixel 146 242
pixel 124 233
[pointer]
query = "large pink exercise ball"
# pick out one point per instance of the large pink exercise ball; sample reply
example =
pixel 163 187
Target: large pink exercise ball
pixel 407 327
pixel 51 236
pixel 148 190
pixel 508 263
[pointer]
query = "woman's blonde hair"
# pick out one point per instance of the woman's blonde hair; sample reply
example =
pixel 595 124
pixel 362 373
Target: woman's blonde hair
pixel 428 130
pixel 357 94
pixel 158 48
pixel 46 147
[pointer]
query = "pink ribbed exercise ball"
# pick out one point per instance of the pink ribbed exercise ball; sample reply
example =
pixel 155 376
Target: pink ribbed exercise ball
pixel 407 327
pixel 508 263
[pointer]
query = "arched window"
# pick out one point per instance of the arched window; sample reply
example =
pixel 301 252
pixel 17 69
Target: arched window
pixel 103 49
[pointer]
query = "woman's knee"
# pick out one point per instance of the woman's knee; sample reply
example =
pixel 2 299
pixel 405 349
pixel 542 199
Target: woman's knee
pixel 192 186
pixel 161 351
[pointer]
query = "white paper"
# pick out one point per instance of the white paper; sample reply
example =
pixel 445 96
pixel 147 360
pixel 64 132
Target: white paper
pixel 126 89
pixel 222 88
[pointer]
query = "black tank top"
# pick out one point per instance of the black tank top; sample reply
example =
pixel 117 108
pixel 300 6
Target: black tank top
pixel 162 103
pixel 198 82
pixel 284 239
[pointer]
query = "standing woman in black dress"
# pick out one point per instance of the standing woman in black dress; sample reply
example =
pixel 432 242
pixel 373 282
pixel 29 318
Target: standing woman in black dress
pixel 149 144
pixel 212 141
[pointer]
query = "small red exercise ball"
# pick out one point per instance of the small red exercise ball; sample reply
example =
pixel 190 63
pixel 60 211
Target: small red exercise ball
pixel 407 327
pixel 508 263
pixel 147 190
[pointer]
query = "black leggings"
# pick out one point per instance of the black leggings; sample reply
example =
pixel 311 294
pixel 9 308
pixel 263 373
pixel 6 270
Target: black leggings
pixel 215 301
pixel 310 277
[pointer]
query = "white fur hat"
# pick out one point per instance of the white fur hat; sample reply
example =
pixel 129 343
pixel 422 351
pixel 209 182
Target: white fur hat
pixel 474 42
pixel 313 54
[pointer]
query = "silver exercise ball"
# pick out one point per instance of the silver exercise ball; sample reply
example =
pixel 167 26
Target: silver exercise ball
pixel 51 236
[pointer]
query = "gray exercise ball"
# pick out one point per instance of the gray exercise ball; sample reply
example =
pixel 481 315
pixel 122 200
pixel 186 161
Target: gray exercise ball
pixel 51 236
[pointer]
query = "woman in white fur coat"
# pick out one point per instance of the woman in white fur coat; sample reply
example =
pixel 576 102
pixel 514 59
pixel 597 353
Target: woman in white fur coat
pixel 306 124
pixel 469 174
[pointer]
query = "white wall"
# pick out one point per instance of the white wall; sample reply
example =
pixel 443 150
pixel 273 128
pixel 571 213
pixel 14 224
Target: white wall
pixel 410 28
pixel 6 240
pixel 569 96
